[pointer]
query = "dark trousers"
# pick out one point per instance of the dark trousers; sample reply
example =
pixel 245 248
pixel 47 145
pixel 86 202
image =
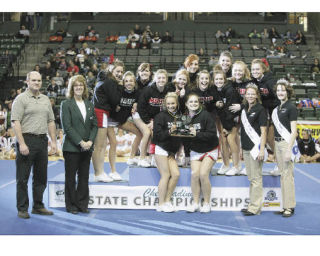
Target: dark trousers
pixel 76 164
pixel 38 159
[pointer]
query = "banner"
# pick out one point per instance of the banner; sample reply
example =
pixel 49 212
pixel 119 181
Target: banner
pixel 314 126
pixel 146 197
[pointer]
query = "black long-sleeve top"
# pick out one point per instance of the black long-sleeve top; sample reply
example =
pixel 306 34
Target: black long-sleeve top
pixel 161 136
pixel 229 95
pixel 150 102
pixel 268 97
pixel 107 95
pixel 126 102
pixel 206 136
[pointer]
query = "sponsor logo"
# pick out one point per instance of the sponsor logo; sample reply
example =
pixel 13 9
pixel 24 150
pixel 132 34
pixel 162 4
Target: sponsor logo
pixel 271 196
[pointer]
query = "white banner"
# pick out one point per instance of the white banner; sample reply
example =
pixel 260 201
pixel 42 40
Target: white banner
pixel 146 197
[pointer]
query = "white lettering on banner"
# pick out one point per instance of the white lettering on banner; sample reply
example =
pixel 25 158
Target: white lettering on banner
pixel 146 197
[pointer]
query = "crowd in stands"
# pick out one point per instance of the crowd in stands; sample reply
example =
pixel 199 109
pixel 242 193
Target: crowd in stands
pixel 63 63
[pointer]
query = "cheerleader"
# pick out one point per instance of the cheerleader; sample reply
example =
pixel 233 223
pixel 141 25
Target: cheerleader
pixel 144 78
pixel 144 75
pixel 204 90
pixel 225 61
pixel 253 139
pixel 265 81
pixel 204 152
pixel 149 104
pixel 191 64
pixel 106 98
pixel 166 148
pixel 127 106
pixel 284 118
pixel 224 96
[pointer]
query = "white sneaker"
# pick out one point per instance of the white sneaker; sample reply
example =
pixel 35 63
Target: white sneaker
pixel 243 171
pixel 193 207
pixel 233 171
pixel 168 207
pixel 181 161
pixel 115 176
pixel 275 171
pixel 143 163
pixel 205 208
pixel 103 178
pixel 132 161
pixel 223 169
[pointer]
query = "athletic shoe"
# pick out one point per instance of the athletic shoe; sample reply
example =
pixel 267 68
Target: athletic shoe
pixel 288 212
pixel 103 178
pixel 275 171
pixel 193 207
pixel 41 211
pixel 115 176
pixel 132 161
pixel 233 171
pixel 181 161
pixel 243 171
pixel 143 163
pixel 205 208
pixel 223 169
pixel 168 207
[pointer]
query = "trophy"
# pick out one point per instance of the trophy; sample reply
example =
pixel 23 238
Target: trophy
pixel 183 126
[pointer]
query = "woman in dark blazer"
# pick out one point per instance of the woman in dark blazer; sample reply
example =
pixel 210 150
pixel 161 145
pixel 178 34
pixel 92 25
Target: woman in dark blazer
pixel 80 127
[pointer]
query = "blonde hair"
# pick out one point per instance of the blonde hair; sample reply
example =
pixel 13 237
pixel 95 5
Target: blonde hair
pixel 160 71
pixel 182 72
pixel 198 77
pixel 256 89
pixel 80 79
pixel 129 73
pixel 170 95
pixel 261 63
pixel 225 54
pixel 244 66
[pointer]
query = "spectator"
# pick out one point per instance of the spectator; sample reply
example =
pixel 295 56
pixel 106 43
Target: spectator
pixel 288 35
pixel 91 80
pixel 299 38
pixel 73 50
pixel 145 44
pixel 30 20
pixel 265 33
pixel 47 71
pixel 273 34
pixel 230 33
pixel 72 69
pixel 315 67
pixel 58 79
pixel 53 89
pixel 64 88
pixel 166 38
pixel 148 32
pixel 156 39
pixel 306 146
pixel 11 97
pixel 220 35
pixel 39 16
pixel 24 33
pixel 62 65
pixel 254 34
pixel 133 37
pixel 36 68
pixel 137 30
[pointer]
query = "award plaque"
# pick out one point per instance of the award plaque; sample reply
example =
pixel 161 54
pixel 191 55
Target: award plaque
pixel 183 126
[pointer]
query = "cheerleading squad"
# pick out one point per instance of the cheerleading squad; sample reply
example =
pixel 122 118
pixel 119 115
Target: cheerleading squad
pixel 194 114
